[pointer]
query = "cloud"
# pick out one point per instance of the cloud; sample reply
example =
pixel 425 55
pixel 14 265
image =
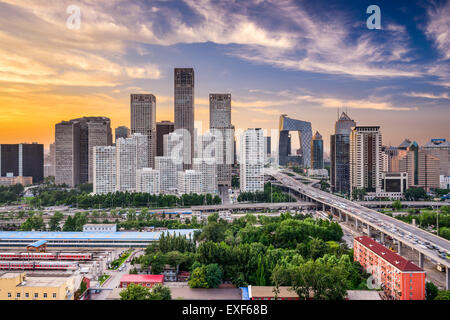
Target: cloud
pixel 438 28
pixel 428 95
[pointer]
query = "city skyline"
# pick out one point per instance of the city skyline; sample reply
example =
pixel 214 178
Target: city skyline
pixel 396 84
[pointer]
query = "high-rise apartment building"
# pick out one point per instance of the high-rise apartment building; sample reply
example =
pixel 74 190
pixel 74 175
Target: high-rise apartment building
pixel 340 154
pixel 365 158
pixel 168 173
pixel 184 109
pixel 422 168
pixel 221 127
pixel 122 132
pixel 174 147
pixel 130 156
pixel 143 121
pixel 148 181
pixel 74 143
pixel 22 160
pixel 105 171
pixel 190 181
pixel 162 128
pixel 207 166
pixel 440 148
pixel 252 160
pixel 317 151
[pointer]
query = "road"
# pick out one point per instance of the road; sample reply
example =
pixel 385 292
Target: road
pixel 422 241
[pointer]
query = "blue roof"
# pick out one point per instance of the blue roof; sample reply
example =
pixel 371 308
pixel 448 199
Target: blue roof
pixel 37 244
pixel 107 236
pixel 245 293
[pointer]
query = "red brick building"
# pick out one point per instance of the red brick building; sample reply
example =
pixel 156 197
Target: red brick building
pixel 399 278
pixel 145 280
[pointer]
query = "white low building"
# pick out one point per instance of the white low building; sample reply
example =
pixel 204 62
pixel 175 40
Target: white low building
pixel 190 181
pixel 148 181
pixel 99 228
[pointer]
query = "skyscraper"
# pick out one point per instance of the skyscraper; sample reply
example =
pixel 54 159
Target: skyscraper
pixel 440 148
pixel 184 108
pixel 104 170
pixel 422 168
pixel 67 153
pixel 340 154
pixel 317 151
pixel 122 132
pixel 74 143
pixel 130 156
pixel 252 160
pixel 304 131
pixel 162 128
pixel 221 127
pixel 143 121
pixel 365 158
pixel 22 160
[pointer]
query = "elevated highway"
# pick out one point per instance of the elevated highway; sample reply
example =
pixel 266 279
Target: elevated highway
pixel 428 245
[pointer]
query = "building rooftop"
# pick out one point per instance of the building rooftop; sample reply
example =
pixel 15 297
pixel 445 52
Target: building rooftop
pixel 159 278
pixel 37 244
pixel 363 295
pixel 396 260
pixel 267 291
pixel 31 281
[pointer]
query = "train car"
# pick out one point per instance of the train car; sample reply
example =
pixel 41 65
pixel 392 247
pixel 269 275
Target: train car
pixel 54 265
pixel 17 265
pixel 9 256
pixel 38 255
pixel 75 256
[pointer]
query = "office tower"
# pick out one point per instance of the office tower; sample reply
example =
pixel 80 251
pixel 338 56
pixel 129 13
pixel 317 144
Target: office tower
pixel 147 181
pixel 67 153
pixel 190 181
pixel 143 121
pixel 220 125
pixel 207 166
pixel 340 154
pixel 304 131
pixel 131 155
pixel 184 109
pixel 22 160
pixel 162 128
pixel 365 158
pixel 74 143
pixel 422 168
pixel 104 170
pixel 439 148
pixel 49 162
pixel 252 160
pixel 168 173
pixel 122 132
pixel 317 151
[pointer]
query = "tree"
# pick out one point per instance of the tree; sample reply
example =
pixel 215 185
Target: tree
pixel 443 295
pixel 160 292
pixel 415 194
pixel 198 278
pixel 213 275
pixel 396 205
pixel 431 291
pixel 135 292
pixel 359 194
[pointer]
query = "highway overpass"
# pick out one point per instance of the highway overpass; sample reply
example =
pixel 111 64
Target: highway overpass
pixel 425 243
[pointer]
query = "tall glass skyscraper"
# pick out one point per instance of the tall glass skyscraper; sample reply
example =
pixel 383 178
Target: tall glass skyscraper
pixel 340 154
pixel 143 121
pixel 317 151
pixel 184 108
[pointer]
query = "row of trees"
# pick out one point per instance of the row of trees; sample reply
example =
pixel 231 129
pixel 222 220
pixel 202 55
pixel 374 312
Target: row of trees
pixel 270 194
pixel 138 292
pixel 84 200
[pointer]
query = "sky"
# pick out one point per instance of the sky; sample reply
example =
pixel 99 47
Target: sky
pixel 301 58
